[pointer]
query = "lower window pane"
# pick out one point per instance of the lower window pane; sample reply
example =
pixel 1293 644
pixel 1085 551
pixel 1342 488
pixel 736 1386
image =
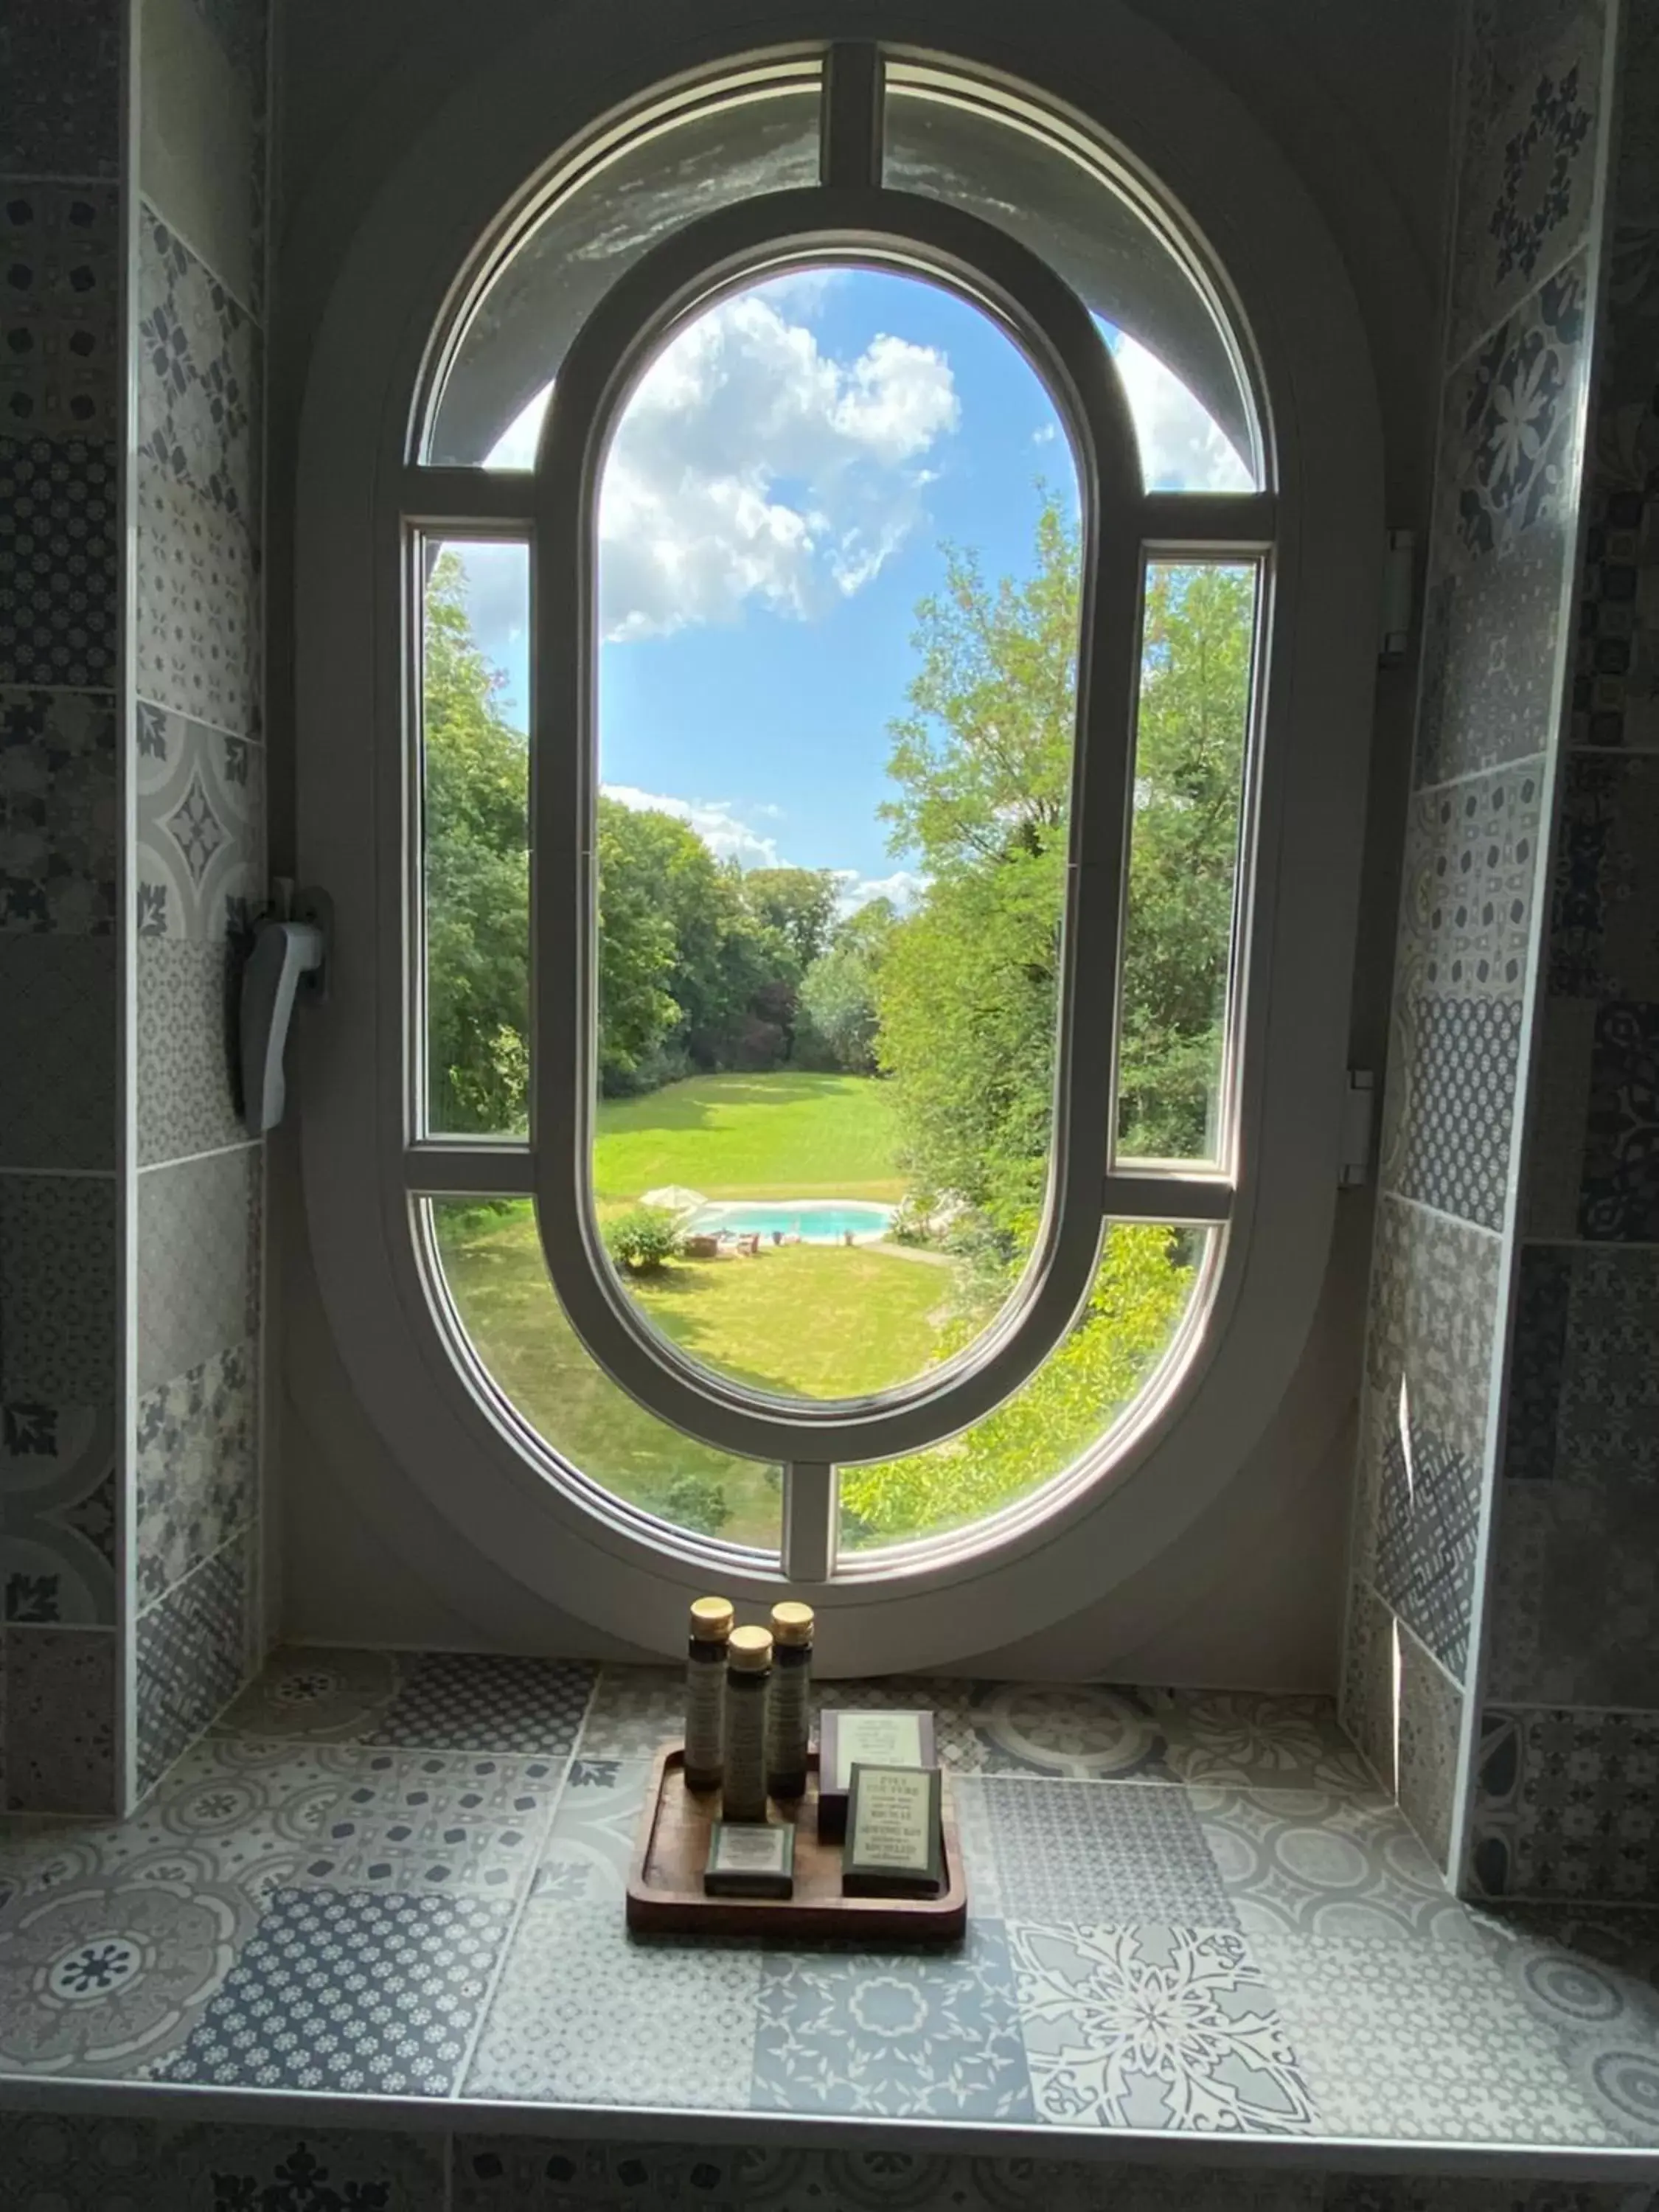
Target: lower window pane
pixel 492 1261
pixel 1150 1277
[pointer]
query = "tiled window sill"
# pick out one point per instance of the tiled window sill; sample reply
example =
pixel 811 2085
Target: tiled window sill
pixel 387 1892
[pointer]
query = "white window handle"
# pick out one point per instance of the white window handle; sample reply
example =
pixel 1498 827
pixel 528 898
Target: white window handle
pixel 285 954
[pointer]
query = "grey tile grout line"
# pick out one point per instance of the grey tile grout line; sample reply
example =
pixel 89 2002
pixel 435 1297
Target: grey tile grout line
pixel 213 1153
pixel 23 180
pixel 198 721
pixel 1522 763
pixel 110 691
pixel 189 1575
pixel 75 1175
pixel 458 2094
pixel 1456 1220
pixel 197 255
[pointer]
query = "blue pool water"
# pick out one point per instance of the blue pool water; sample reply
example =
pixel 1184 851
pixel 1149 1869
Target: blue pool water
pixel 815 1221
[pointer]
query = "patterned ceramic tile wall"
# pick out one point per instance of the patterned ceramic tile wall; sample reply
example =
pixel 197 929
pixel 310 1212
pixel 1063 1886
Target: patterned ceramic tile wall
pixel 1566 1781
pixel 62 378
pixel 199 873
pixel 1505 512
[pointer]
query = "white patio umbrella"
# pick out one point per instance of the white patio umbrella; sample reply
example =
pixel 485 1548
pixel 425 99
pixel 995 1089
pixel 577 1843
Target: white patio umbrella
pixel 675 1198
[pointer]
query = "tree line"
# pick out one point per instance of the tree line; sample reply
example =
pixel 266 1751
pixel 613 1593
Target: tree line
pixel 953 1000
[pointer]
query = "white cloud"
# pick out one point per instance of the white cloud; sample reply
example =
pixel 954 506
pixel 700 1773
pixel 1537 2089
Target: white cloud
pixel 1046 435
pixel 1182 448
pixel 720 824
pixel 751 466
pixel 904 887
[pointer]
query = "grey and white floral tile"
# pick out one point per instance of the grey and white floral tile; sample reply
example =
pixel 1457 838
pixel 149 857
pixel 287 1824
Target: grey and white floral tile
pixel 1367 1702
pixel 198 649
pixel 193 1655
pixel 198 1466
pixel 1428 1515
pixel 1257 1739
pixel 58 1534
pixel 59 805
pixel 1512 432
pixel 1451 1104
pixel 933 2037
pixel 1619 1193
pixel 1469 890
pixel 57 1074
pixel 201 828
pixel 635 1711
pixel 341 1990
pixel 590 1845
pixel 236 1815
pixel 1155 2026
pixel 96 2163
pixel 61 1687
pixel 450 1823
pixel 321 1696
pixel 419 1701
pixel 57 1289
pixel 1575 1584
pixel 60 248
pixel 59 574
pixel 1421 2040
pixel 198 376
pixel 187 1069
pixel 1090 1730
pixel 104 1978
pixel 1605 1427
pixel 1566 1804
pixel 1589 1981
pixel 1537 1354
pixel 1528 138
pixel 1491 629
pixel 60 89
pixel 1430 1722
pixel 583 2014
pixel 1434 1305
pixel 198 1260
pixel 1602 944
pixel 1098 1851
pixel 1314 1862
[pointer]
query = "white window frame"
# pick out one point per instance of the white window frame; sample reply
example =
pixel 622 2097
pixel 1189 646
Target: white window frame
pixel 1314 528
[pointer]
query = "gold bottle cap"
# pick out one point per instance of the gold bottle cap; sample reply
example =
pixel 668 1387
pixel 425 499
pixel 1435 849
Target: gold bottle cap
pixel 750 1651
pixel 711 1619
pixel 792 1623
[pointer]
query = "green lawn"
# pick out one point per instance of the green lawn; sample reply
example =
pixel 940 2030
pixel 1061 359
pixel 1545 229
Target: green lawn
pixel 825 1319
pixel 751 1136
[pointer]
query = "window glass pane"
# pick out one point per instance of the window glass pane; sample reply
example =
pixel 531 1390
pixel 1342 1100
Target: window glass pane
pixel 492 1261
pixel 476 799
pixel 491 405
pixel 1191 414
pixel 1191 736
pixel 836 681
pixel 1144 1292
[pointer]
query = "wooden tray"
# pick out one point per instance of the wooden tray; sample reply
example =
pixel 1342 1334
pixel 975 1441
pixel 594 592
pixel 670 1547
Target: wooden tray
pixel 664 1883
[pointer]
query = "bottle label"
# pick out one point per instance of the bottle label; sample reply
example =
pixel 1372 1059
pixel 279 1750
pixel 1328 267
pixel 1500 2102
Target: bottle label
pixel 744 1780
pixel 787 1720
pixel 705 1684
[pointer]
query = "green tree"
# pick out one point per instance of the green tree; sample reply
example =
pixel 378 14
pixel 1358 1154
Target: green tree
pixel 477 873
pixel 838 992
pixel 799 904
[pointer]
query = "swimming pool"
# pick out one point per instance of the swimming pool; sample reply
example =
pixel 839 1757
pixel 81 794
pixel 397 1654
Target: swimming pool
pixel 814 1220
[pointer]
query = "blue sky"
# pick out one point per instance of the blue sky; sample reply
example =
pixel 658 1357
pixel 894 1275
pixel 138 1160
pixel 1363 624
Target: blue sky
pixel 772 512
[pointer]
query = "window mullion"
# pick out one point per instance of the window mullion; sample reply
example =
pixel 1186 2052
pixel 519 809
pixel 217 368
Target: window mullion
pixel 468 1167
pixel 1160 1196
pixel 850 150
pixel 811 1514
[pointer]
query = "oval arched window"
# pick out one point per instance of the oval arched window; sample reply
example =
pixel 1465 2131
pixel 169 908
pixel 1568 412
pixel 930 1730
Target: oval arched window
pixel 840 530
